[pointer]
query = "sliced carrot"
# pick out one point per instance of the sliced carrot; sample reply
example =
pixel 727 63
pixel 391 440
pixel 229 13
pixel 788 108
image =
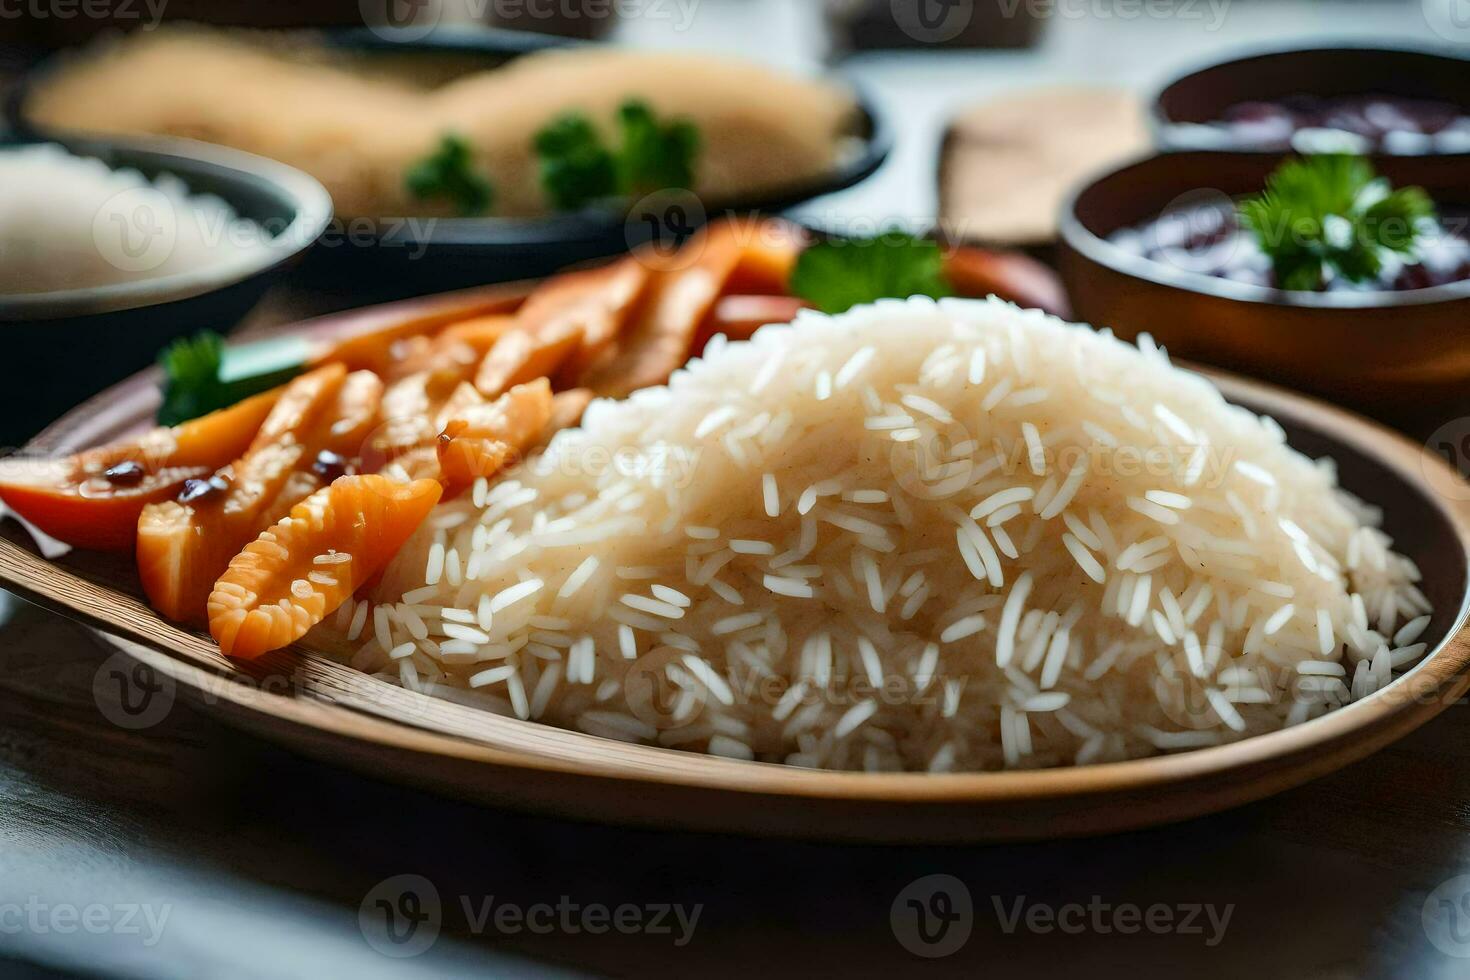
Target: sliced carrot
pixel 566 411
pixel 406 429
pixel 73 499
pixel 767 256
pixel 184 544
pixel 301 569
pixel 342 429
pixel 377 347
pixel 522 356
pixel 486 438
pixel 598 302
pixel 214 439
pixel 455 350
pixel 479 334
pixel 662 333
pixel 337 437
pixel 461 400
pixel 298 404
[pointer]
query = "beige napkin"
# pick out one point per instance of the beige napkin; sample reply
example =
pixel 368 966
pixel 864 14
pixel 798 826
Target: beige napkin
pixel 1008 165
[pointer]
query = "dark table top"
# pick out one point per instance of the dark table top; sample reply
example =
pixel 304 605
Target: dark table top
pixel 188 849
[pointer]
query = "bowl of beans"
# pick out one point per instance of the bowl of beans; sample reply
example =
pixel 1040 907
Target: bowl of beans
pixel 1384 100
pixel 1166 245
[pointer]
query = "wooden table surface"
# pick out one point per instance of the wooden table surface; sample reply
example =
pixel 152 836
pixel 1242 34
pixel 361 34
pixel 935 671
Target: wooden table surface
pixel 186 849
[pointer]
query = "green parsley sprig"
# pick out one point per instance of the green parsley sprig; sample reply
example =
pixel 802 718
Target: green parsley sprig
pixel 579 169
pixel 839 273
pixel 449 173
pixel 202 375
pixel 1332 215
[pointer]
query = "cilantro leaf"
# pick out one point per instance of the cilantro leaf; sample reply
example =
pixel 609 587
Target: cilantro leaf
pixel 654 156
pixel 1330 214
pixel 578 168
pixel 202 375
pixel 449 172
pixel 191 377
pixel 838 274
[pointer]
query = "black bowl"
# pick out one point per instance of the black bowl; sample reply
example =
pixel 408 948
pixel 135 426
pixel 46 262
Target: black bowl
pixel 1202 95
pixel 61 347
pixel 375 260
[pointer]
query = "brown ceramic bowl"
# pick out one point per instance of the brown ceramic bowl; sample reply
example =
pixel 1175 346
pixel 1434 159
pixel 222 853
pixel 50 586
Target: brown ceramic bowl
pixel 1203 95
pixel 1401 355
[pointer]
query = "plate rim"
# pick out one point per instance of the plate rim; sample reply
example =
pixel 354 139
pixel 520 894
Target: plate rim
pixel 1305 751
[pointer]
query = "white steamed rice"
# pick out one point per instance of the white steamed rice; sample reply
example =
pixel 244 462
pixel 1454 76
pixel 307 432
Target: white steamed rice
pixel 917 536
pixel 70 222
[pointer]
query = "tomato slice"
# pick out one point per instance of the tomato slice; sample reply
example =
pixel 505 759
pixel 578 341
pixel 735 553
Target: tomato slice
pixel 92 500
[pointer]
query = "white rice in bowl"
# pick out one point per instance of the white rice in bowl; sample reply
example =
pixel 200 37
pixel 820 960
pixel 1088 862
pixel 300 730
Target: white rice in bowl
pixel 70 222
pixel 917 536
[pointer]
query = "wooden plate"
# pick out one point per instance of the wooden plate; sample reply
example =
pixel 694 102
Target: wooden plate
pixel 329 711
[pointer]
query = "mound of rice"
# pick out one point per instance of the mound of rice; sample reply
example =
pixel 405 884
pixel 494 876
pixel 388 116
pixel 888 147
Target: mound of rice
pixel 70 222
pixel 917 536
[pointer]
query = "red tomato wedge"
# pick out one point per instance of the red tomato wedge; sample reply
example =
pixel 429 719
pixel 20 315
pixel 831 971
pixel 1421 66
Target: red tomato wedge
pixel 979 272
pixel 663 330
pixel 737 317
pixel 74 499
pixel 301 569
pixel 185 543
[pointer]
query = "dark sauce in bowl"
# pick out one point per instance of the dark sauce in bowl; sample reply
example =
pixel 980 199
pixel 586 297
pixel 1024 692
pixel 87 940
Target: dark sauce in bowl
pixel 1206 237
pixel 1355 123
